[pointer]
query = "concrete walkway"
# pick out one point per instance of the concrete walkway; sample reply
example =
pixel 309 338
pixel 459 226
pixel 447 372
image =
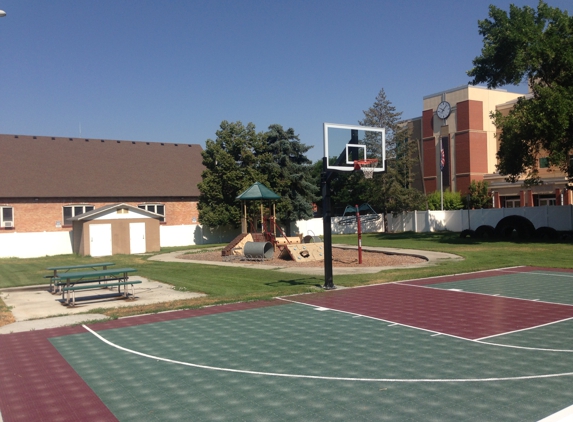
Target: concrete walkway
pixel 35 308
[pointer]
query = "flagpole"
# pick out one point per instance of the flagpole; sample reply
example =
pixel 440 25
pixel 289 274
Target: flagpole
pixel 441 177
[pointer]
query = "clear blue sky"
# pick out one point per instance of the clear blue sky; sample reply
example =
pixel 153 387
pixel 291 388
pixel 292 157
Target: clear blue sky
pixel 171 71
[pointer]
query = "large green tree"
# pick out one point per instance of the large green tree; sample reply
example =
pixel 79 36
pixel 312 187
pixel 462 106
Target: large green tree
pixel 533 46
pixel 289 173
pixel 241 156
pixel 231 166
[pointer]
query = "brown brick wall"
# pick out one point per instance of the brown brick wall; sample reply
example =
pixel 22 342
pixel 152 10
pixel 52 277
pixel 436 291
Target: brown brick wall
pixel 429 154
pixel 469 115
pixel 427 123
pixel 431 184
pixel 471 152
pixel 41 215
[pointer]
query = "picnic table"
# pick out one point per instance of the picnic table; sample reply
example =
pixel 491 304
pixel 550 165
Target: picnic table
pixel 66 268
pixel 71 282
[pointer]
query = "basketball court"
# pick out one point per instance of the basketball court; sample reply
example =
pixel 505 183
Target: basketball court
pixel 494 345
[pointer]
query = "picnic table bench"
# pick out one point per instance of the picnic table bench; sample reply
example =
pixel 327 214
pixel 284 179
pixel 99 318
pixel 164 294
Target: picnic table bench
pixel 71 282
pixel 66 268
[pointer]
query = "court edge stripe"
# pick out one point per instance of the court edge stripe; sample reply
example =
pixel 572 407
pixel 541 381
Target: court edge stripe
pixel 479 340
pixel 318 377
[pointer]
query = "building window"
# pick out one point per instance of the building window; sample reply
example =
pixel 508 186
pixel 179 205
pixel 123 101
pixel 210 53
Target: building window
pixel 512 202
pixel 73 210
pixel 545 200
pixel 7 217
pixel 155 208
pixel 544 162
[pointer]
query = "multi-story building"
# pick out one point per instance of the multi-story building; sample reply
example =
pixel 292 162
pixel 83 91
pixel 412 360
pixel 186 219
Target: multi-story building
pixel 458 144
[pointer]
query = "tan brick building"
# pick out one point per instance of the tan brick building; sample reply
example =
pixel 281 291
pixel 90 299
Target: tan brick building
pixel 458 121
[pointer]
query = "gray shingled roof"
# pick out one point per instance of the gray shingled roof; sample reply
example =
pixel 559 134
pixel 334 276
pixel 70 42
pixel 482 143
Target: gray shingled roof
pixel 46 167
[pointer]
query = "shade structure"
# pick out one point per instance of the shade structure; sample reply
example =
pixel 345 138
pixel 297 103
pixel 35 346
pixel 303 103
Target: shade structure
pixel 258 191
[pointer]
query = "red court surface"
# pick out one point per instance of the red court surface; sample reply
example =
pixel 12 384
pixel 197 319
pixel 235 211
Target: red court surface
pixel 467 315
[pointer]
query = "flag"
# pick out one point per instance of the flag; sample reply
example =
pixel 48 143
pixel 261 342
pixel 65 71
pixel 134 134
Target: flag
pixel 442 160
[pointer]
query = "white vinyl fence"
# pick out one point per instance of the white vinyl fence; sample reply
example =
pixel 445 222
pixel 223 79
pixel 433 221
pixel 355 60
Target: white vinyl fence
pixel 558 217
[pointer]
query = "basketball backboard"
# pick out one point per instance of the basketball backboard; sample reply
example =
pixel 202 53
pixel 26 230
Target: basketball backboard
pixel 344 144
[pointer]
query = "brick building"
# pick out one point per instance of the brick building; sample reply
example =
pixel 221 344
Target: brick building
pixel 458 122
pixel 49 180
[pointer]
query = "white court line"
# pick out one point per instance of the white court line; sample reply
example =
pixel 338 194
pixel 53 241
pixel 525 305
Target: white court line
pixel 564 415
pixel 568 275
pixel 318 377
pixel 436 333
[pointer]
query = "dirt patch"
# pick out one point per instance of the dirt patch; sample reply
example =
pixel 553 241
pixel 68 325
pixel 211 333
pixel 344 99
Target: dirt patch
pixel 340 258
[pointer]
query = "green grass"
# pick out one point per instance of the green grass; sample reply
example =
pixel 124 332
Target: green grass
pixel 224 284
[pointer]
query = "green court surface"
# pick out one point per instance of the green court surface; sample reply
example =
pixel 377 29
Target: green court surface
pixel 535 285
pixel 296 362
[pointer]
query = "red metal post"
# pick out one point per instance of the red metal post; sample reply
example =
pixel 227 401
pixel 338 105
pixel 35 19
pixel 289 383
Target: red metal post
pixel 359 235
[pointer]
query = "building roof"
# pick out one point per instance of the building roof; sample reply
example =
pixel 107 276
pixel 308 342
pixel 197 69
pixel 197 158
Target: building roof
pixel 257 191
pixel 52 167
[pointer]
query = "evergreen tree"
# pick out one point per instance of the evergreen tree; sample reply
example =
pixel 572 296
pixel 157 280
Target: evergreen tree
pixel 289 173
pixel 240 157
pixel 231 166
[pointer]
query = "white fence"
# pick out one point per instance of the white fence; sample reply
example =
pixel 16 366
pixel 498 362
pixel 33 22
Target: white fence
pixel 558 217
pixel 316 228
pixel 33 245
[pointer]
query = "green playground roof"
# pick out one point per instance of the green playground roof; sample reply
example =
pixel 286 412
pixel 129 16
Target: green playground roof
pixel 257 191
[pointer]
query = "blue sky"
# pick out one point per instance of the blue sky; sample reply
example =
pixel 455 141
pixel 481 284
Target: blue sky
pixel 171 71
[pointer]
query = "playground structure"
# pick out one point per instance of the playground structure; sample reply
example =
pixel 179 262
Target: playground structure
pixel 263 236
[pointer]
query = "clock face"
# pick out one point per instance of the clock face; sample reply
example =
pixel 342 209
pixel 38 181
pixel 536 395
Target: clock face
pixel 443 110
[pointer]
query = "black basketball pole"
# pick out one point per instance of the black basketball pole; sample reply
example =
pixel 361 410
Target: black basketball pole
pixel 326 220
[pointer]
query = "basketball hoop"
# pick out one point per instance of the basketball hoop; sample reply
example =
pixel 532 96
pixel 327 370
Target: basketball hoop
pixel 367 167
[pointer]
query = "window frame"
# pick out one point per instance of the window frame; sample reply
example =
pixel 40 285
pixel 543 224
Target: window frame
pixel 3 220
pixel 74 208
pixel 154 205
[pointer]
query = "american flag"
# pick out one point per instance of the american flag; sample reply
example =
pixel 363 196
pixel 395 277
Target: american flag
pixel 442 160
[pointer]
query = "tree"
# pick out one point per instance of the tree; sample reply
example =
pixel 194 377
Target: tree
pixel 535 46
pixel 231 166
pixel 478 195
pixel 391 191
pixel 240 157
pixel 289 173
pixel 452 201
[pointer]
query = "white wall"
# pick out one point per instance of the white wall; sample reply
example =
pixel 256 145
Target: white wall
pixel 33 245
pixel 558 217
pixel 315 226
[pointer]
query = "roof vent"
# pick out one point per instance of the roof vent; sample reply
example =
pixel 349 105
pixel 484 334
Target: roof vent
pixel 35 137
pixel 162 143
pixel 53 139
pixel 15 136
pixel 87 140
pixel 71 139
pixel 133 142
pixel 147 143
pixel 102 140
pixel 176 145
pixel 118 142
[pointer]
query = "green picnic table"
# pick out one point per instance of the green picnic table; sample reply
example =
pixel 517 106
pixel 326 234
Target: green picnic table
pixel 66 268
pixel 90 280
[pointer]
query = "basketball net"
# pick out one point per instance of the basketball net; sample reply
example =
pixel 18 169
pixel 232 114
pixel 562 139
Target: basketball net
pixel 367 167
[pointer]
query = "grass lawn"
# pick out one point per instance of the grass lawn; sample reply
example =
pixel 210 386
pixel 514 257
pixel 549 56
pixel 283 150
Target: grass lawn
pixel 228 284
